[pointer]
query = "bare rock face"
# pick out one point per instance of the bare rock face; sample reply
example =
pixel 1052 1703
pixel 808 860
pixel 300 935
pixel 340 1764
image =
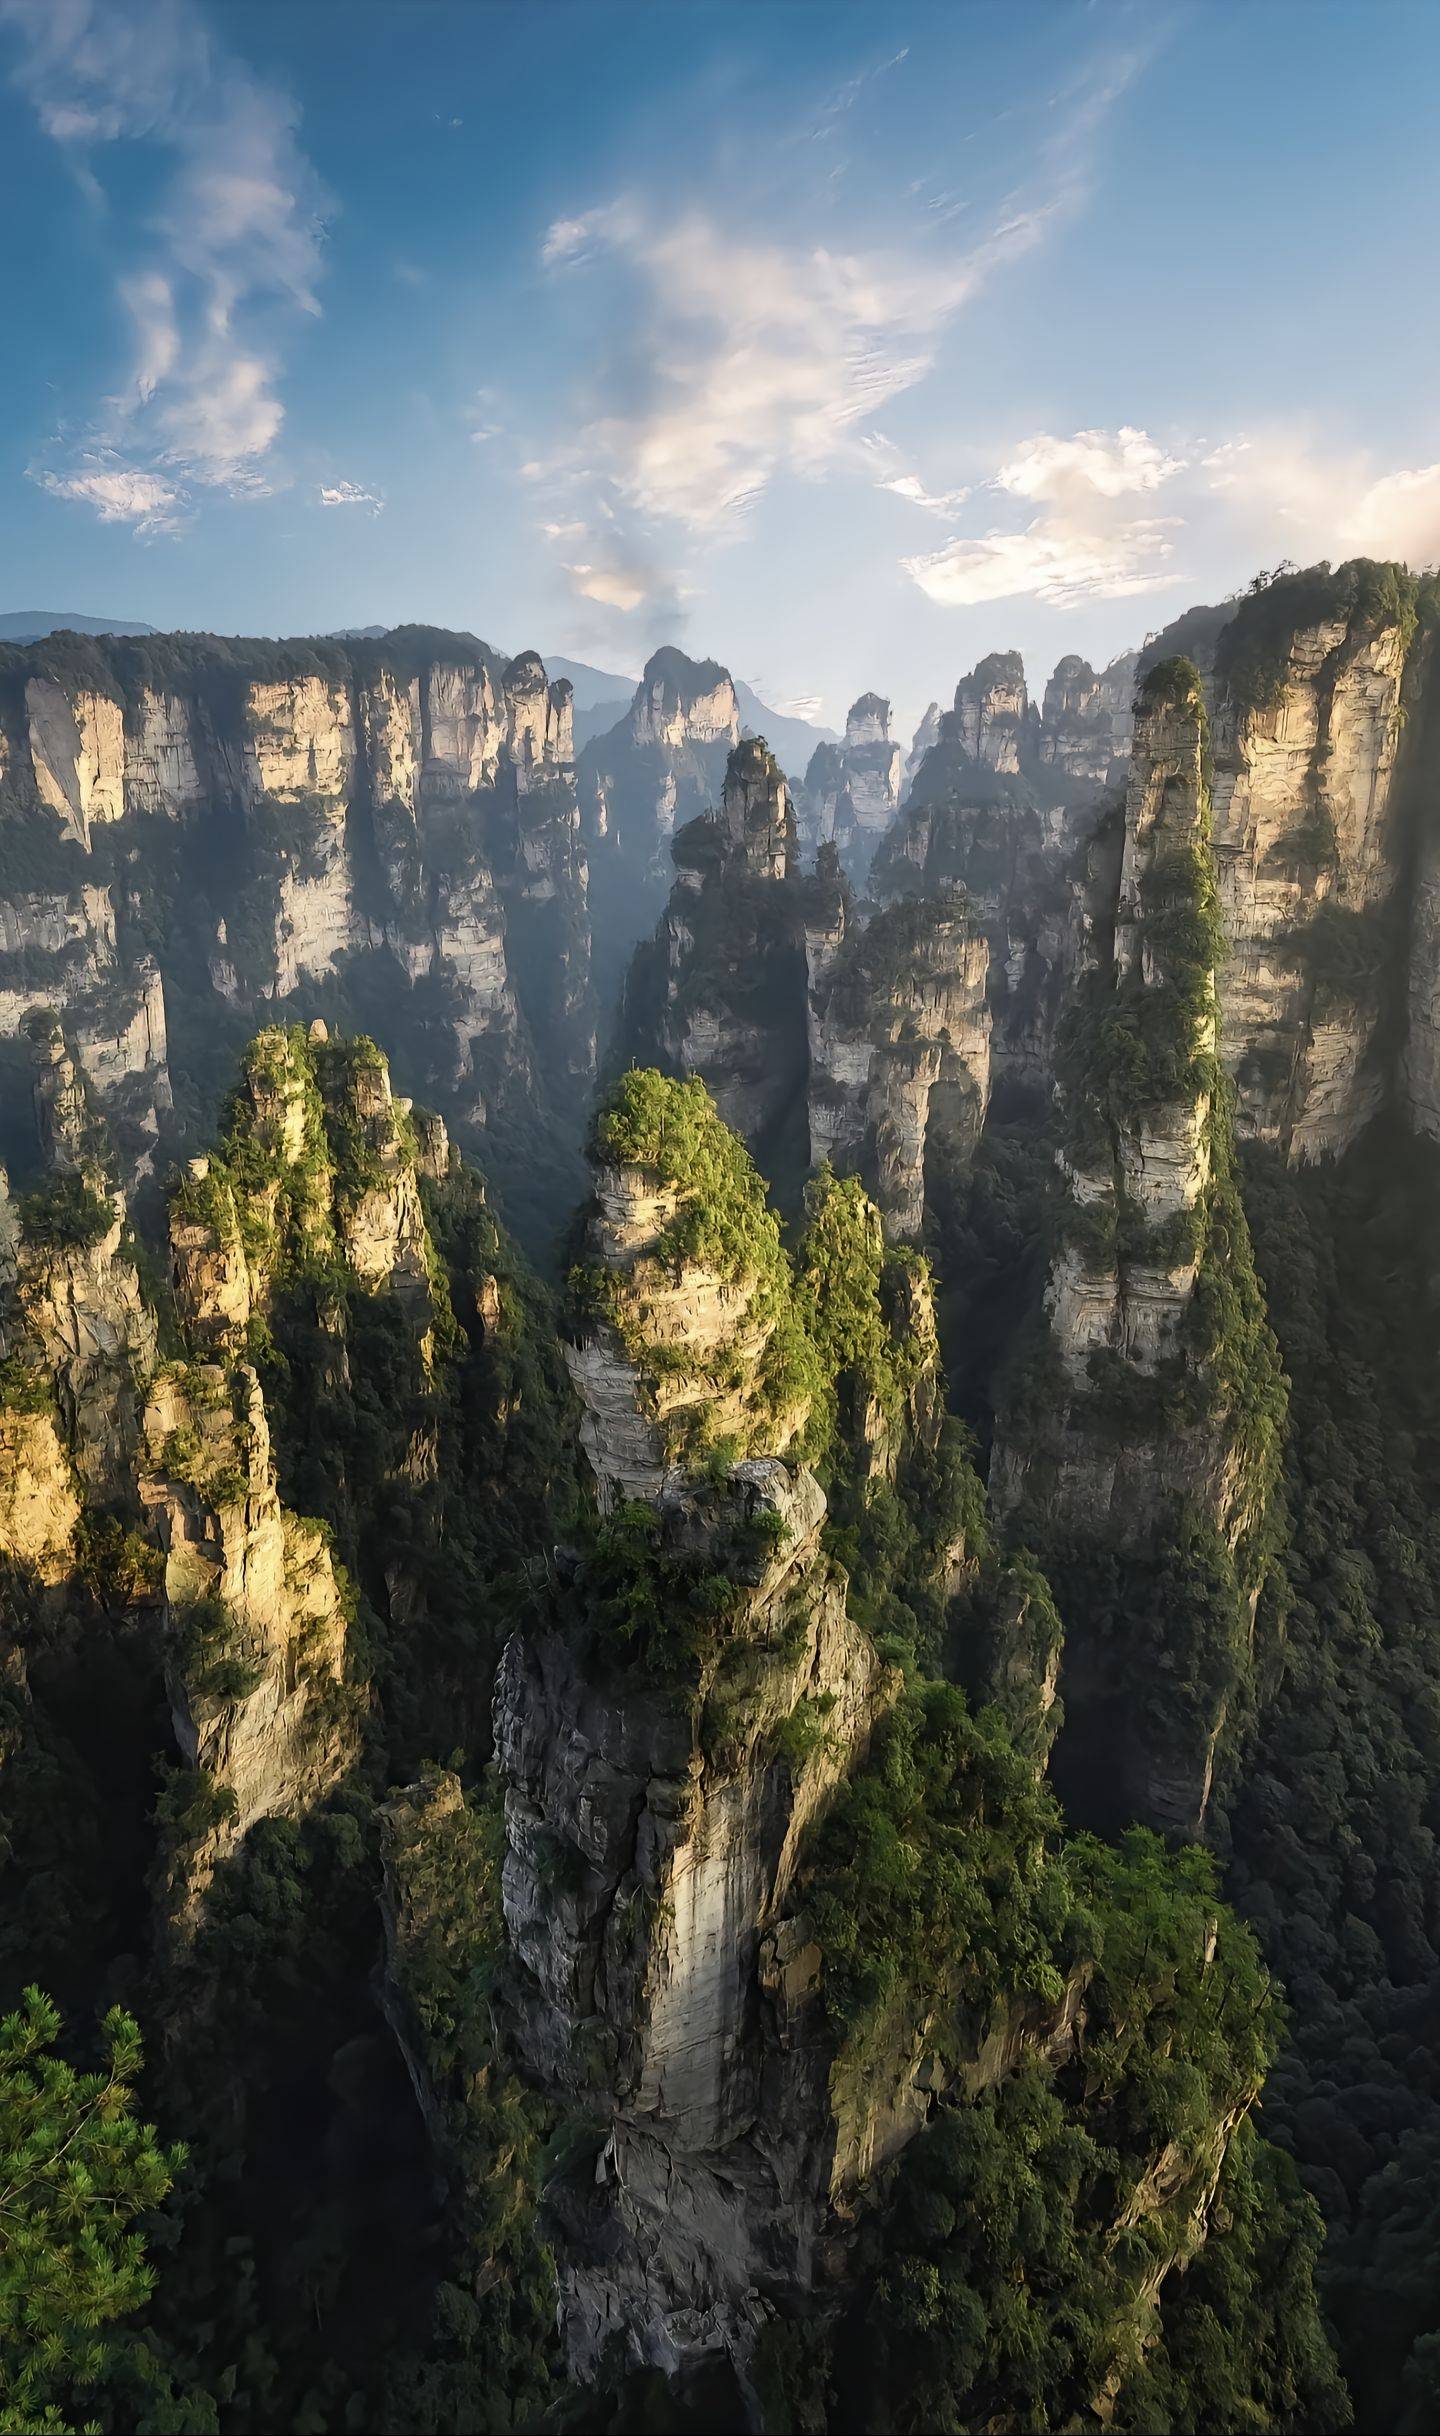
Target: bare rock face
pixel 1004 802
pixel 992 712
pixel 253 1612
pixel 720 994
pixel 283 818
pixel 817 1037
pixel 899 1036
pixel 1308 763
pixel 1151 1405
pixel 77 755
pixel 59 947
pixel 83 1305
pixel 663 1988
pixel 70 1297
pixel 1077 725
pixel 1420 759
pixel 39 1507
pixel 926 735
pixel 755 811
pixel 664 762
pixel 852 790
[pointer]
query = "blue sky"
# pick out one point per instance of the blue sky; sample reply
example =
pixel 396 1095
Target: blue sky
pixel 842 342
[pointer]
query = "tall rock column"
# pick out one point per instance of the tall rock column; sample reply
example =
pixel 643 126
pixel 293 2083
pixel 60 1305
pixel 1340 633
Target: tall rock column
pixel 852 790
pixel 1317 735
pixel 899 1029
pixel 721 993
pixel 1145 1431
pixel 666 1731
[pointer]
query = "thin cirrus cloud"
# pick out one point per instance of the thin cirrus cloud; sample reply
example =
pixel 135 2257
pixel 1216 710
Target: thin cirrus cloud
pixel 759 358
pixel 232 252
pixel 735 358
pixel 352 494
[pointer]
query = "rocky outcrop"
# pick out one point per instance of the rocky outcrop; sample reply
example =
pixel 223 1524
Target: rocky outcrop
pixel 1077 724
pixel 663 1988
pixel 1004 802
pixel 819 1035
pixel 640 784
pixel 1152 1397
pixel 71 1303
pixel 992 714
pixel 39 1507
pixel 726 975
pixel 899 1041
pixel 321 1163
pixel 679 1332
pixel 1316 680
pixel 189 826
pixel 255 1623
pixel 926 735
pixel 663 1769
pixel 852 790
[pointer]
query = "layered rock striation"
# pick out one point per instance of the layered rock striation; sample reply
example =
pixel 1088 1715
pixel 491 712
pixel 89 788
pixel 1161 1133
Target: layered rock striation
pixel 1321 738
pixel 1003 803
pixel 1153 1405
pixel 852 790
pixel 193 830
pixel 640 784
pixel 821 1030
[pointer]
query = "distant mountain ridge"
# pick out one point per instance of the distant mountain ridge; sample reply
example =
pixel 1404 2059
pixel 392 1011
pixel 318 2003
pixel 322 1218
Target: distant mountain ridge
pixel 29 625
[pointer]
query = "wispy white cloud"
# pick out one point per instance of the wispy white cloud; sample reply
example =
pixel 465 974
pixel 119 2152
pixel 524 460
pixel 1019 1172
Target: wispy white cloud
pixel 232 249
pixel 119 494
pixel 736 358
pixel 1087 541
pixel 790 706
pixel 1230 504
pixel 757 359
pixel 351 494
pixel 838 104
pixel 891 474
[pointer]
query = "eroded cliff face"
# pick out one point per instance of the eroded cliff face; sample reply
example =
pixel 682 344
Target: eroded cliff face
pixel 658 1788
pixel 671 1351
pixel 852 790
pixel 255 1621
pixel 899 1042
pixel 992 714
pixel 1154 1392
pixel 194 827
pixel 1003 803
pixel 820 1030
pixel 653 1836
pixel 640 784
pixel 1315 685
pixel 726 979
pixel 74 1306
